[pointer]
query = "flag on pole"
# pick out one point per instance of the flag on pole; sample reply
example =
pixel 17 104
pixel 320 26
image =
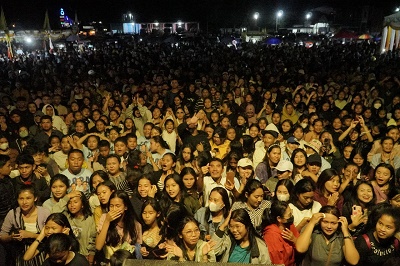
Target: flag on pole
pixel 51 45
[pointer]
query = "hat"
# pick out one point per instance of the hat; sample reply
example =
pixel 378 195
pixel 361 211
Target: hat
pixel 245 162
pixel 293 140
pixel 91 72
pixel 314 144
pixel 39 113
pixel 15 112
pixel 284 166
pixel 272 130
pixel 314 158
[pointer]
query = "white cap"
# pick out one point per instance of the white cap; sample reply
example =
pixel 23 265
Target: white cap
pixel 284 166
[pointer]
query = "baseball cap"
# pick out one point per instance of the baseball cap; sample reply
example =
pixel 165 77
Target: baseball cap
pixel 272 130
pixel 293 140
pixel 245 162
pixel 314 144
pixel 284 166
pixel 314 159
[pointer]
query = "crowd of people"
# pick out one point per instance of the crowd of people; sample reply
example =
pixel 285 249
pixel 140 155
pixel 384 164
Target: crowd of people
pixel 274 155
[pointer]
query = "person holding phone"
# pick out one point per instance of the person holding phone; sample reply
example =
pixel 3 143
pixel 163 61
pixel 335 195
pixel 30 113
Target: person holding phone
pixel 356 209
pixel 280 234
pixel 326 240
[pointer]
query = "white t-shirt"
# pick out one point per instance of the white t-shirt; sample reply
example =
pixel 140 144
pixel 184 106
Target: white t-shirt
pixel 83 175
pixel 170 139
pixel 299 215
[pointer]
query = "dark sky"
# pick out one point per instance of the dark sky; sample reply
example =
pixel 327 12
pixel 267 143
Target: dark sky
pixel 30 13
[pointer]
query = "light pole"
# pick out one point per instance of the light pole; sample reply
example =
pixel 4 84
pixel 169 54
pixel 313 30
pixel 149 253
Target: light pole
pixel 279 14
pixel 308 16
pixel 256 16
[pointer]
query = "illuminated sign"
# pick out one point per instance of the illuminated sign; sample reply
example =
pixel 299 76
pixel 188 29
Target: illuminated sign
pixel 65 21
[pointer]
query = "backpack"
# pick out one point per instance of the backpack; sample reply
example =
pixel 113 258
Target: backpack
pixel 368 242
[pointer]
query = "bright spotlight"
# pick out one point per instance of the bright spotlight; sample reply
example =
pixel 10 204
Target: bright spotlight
pixel 256 15
pixel 28 39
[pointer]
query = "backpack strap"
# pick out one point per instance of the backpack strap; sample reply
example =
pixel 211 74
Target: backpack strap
pixel 367 241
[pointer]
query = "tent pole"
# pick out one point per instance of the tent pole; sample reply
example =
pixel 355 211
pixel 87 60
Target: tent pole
pixel 383 40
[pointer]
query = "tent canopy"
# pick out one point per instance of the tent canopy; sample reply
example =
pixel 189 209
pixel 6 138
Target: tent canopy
pixel 393 21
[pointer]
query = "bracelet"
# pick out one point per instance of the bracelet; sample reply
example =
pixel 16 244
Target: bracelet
pixel 349 237
pixel 38 241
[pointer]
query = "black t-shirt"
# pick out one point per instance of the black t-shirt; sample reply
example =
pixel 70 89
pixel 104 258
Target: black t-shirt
pixel 78 260
pixel 379 252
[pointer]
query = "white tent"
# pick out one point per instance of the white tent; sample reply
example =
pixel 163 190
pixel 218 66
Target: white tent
pixel 391 33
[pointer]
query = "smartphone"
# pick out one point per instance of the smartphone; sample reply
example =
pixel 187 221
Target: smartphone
pixel 356 210
pixel 356 118
pixel 326 142
pixel 230 177
pixel 159 252
pixel 216 149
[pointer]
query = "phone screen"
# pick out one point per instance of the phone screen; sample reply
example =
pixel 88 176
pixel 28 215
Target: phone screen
pixel 230 176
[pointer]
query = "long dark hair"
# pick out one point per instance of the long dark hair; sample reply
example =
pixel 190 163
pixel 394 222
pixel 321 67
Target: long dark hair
pixel 129 219
pixel 278 209
pixel 166 200
pixel 59 177
pixel 161 141
pixel 62 220
pixel 241 216
pixel 189 171
pixel 180 158
pixel 86 210
pixel 287 183
pixel 181 226
pixel 392 180
pixel 156 206
pixel 325 176
pixel 225 199
pixel 354 197
pixel 100 173
pixel 112 188
pixel 172 216
pixel 249 188
pixel 301 187
pixel 295 167
pixel 266 158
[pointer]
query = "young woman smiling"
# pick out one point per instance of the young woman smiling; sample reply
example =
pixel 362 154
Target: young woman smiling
pixel 330 243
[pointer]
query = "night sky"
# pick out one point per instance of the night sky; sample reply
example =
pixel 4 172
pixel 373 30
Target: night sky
pixel 30 13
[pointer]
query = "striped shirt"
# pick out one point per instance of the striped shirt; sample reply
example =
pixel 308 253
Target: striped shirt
pixel 255 214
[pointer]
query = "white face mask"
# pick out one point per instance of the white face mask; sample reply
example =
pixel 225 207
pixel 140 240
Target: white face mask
pixel 4 146
pixel 283 197
pixel 377 105
pixel 23 134
pixel 214 207
pixel 303 125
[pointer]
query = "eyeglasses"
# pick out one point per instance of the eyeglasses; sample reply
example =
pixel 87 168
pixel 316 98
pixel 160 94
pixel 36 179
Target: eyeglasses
pixel 191 232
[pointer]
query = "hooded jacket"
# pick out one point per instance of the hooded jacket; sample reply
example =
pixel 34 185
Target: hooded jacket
pixel 58 123
pixel 292 117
